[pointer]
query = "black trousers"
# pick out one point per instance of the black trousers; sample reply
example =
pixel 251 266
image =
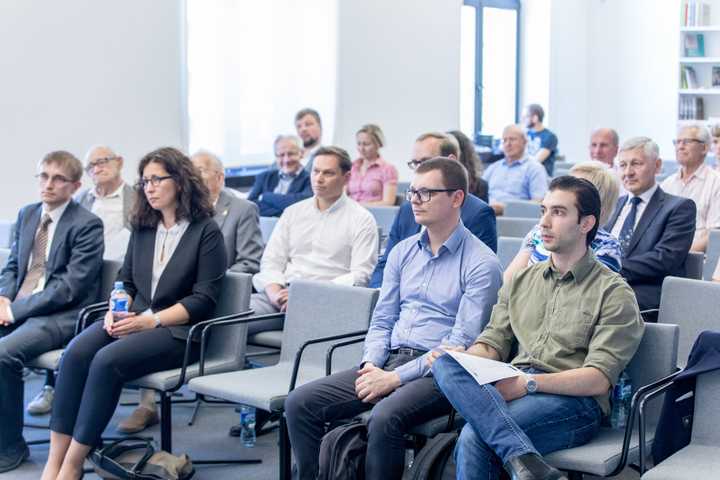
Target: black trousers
pixel 333 398
pixel 93 370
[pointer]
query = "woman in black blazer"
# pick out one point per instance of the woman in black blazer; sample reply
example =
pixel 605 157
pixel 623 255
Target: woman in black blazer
pixel 172 271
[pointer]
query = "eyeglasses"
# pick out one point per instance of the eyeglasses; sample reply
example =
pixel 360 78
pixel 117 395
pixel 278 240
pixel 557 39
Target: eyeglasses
pixel 686 141
pixel 98 162
pixel 425 194
pixel 155 181
pixel 291 154
pixel 413 164
pixel 45 178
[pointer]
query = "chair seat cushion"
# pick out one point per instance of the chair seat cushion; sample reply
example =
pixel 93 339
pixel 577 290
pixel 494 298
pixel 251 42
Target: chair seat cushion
pixel 271 338
pixel 167 379
pixel 48 360
pixel 693 461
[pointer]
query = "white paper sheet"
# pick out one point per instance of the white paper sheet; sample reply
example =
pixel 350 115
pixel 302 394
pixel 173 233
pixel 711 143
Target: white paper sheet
pixel 485 370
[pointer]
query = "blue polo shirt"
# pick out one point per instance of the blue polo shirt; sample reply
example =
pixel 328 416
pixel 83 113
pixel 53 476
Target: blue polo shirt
pixel 523 179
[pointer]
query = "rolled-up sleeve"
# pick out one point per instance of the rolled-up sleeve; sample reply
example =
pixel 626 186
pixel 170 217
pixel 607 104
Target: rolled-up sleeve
pixel 498 334
pixel 275 257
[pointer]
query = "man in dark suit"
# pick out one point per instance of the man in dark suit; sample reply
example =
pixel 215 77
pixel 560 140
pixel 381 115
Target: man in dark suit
pixel 276 189
pixel 655 229
pixel 475 214
pixel 51 274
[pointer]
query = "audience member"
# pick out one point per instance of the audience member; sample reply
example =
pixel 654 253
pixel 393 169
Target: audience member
pixel 605 247
pixel 517 176
pixel 276 189
pixel 327 237
pixel 696 181
pixel 715 133
pixel 373 181
pixel 655 229
pixel 576 325
pixel 542 143
pixel 469 158
pixel 51 274
pixel 604 144
pixel 418 310
pixel 168 292
pixel 309 129
pixel 476 215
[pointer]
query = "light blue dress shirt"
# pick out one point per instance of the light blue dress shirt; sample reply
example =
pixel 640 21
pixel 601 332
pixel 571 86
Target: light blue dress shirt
pixel 524 179
pixel 427 300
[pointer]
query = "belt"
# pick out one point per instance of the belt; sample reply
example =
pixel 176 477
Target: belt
pixel 408 351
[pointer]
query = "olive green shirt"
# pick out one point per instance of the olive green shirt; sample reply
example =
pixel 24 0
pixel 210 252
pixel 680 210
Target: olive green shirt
pixel 588 317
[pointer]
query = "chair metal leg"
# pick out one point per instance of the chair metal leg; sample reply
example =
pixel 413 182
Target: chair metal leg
pixel 166 422
pixel 194 413
pixel 285 452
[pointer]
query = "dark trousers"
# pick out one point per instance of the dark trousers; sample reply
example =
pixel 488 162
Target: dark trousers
pixel 93 370
pixel 18 345
pixel 333 398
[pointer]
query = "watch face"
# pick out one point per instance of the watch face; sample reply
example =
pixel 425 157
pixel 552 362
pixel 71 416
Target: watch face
pixel 531 385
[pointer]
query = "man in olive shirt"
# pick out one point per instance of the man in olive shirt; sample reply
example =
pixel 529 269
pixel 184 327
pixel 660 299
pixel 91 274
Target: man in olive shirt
pixel 576 324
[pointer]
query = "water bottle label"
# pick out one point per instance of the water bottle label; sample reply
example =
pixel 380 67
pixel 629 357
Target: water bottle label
pixel 119 305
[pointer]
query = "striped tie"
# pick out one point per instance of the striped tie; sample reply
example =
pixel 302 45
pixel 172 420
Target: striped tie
pixel 37 266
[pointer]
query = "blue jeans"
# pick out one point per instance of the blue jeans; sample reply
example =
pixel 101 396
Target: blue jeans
pixel 498 431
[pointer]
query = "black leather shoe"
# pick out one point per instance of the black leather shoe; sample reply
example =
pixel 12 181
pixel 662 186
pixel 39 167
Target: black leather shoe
pixel 11 458
pixel 531 466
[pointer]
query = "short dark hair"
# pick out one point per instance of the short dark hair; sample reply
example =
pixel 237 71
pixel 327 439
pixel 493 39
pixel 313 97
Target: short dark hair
pixel 469 158
pixel 535 109
pixel 587 199
pixel 343 157
pixel 309 111
pixel 447 146
pixel 193 197
pixel 65 160
pixel 454 174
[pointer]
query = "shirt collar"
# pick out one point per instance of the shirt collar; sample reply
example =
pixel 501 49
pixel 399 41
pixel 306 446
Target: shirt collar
pixel 646 195
pixel 578 272
pixel 56 213
pixel 335 206
pixel 516 162
pixel 288 176
pixel 377 163
pixel 117 193
pixel 700 173
pixel 175 229
pixel 453 242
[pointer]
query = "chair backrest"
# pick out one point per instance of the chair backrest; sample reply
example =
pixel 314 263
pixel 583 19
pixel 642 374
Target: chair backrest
pixel 691 304
pixel 403 187
pixel 712 254
pixel 4 254
pixel 656 357
pixel 694 265
pixel 110 270
pixel 707 409
pixel 515 227
pixel 226 346
pixel 507 248
pixel 267 224
pixel 522 209
pixel 6 233
pixel 320 309
pixel 384 217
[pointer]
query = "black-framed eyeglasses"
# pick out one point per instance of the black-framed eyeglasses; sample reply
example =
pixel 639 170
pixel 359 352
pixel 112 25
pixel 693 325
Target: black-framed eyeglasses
pixel 686 141
pixel 413 164
pixel 98 162
pixel 425 194
pixel 45 178
pixel 155 181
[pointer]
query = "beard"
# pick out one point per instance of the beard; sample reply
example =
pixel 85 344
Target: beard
pixel 310 142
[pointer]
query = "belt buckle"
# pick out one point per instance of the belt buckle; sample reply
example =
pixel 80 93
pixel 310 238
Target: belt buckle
pixel 405 351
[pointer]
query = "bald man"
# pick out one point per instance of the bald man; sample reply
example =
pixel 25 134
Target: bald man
pixel 604 144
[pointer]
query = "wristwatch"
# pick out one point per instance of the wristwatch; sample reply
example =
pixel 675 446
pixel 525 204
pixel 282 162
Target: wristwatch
pixel 531 385
pixel 156 317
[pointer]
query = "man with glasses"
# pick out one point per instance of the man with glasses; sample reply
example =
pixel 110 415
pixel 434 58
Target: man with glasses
pixel 696 181
pixel 439 289
pixel 276 189
pixel 476 215
pixel 52 272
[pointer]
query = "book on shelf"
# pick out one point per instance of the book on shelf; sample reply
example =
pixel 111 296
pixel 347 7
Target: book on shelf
pixel 691 108
pixel 694 44
pixel 695 13
pixel 716 76
pixel 688 79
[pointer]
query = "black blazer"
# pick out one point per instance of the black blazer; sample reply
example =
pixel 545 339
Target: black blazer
pixel 192 276
pixel 72 271
pixel 273 204
pixel 659 245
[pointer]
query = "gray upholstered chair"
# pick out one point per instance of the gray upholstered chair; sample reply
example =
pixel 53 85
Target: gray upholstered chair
pixel 267 224
pixel 694 265
pixel 515 227
pixel 712 254
pixel 522 208
pixel 315 309
pixel 384 217
pixel 4 254
pixel 608 453
pixel 7 229
pixel 508 247
pixel 701 458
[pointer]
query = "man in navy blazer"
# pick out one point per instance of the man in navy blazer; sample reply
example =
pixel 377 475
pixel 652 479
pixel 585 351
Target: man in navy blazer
pixel 476 215
pixel 655 229
pixel 276 189
pixel 52 272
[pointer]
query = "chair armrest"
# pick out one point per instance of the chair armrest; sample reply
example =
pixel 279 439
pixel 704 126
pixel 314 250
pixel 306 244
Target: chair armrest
pixel 298 355
pixel 658 387
pixel 85 313
pixel 331 351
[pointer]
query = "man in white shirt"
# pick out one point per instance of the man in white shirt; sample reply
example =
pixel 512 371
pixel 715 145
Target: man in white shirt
pixel 309 129
pixel 696 181
pixel 326 237
pixel 604 146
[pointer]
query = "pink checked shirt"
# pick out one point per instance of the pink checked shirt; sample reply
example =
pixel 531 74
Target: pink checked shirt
pixel 369 187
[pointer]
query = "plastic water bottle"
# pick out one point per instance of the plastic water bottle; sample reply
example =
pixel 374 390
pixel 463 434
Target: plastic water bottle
pixel 621 397
pixel 247 422
pixel 119 299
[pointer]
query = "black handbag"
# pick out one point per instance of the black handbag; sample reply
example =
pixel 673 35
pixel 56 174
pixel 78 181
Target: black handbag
pixel 135 458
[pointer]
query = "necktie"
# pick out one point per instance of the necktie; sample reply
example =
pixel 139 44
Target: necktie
pixel 628 227
pixel 37 266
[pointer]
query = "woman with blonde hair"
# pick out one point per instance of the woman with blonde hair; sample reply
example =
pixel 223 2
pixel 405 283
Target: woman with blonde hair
pixel 373 181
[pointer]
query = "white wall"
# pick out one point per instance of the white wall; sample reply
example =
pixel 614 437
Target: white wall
pixel 81 72
pixel 398 66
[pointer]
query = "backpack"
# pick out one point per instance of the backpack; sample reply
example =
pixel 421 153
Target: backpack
pixel 342 452
pixel 435 460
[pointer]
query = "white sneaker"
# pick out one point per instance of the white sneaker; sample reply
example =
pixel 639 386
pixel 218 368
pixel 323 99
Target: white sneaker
pixel 42 403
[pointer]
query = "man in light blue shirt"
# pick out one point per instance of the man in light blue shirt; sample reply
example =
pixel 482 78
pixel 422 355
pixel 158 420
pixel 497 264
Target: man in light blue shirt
pixel 439 288
pixel 516 177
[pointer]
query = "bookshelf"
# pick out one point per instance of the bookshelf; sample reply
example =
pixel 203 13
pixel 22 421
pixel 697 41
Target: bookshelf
pixel 699 63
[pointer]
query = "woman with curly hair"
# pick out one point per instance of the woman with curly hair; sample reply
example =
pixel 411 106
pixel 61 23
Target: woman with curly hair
pixel 469 158
pixel 172 272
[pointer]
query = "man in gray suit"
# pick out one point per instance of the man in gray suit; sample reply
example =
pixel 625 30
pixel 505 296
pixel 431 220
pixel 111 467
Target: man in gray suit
pixel 239 223
pixel 51 274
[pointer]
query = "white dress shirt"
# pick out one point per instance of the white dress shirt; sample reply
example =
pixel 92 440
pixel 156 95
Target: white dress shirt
pixel 338 244
pixel 644 200
pixel 166 241
pixel 110 210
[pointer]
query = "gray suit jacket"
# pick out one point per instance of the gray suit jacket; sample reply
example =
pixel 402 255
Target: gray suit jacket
pixel 72 272
pixel 85 199
pixel 238 220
